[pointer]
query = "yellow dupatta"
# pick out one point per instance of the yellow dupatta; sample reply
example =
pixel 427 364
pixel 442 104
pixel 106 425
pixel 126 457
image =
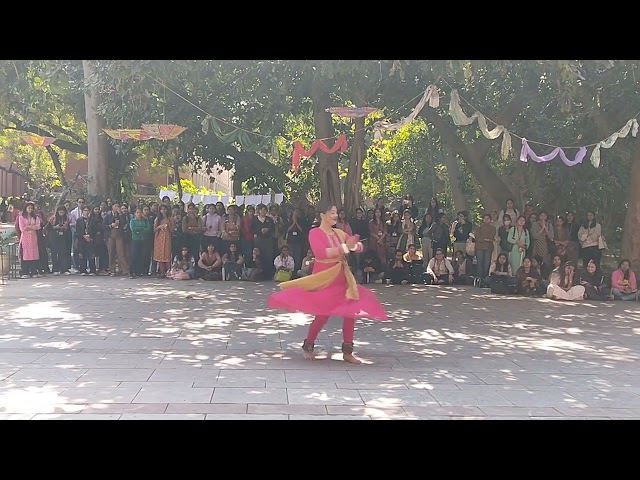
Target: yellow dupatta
pixel 319 280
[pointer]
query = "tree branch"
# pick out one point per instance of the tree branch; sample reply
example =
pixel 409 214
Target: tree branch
pixel 63 144
pixel 66 132
pixel 56 163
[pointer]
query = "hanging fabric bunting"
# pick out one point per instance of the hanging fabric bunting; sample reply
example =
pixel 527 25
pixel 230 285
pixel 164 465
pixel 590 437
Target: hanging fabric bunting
pixel 127 134
pixel 238 135
pixel 38 141
pixel 298 150
pixel 431 95
pixel 352 112
pixel 528 152
pixel 460 118
pixel 163 132
pixel 609 142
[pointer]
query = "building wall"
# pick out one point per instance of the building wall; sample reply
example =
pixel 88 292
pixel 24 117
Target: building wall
pixel 11 185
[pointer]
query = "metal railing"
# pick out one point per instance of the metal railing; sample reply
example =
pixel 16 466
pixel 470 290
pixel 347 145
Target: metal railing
pixel 9 262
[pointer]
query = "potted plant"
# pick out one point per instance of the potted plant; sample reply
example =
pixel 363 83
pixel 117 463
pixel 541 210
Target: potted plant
pixel 8 239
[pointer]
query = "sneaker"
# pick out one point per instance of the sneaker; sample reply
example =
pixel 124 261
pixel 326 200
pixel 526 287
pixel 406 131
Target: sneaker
pixel 37 275
pixel 92 274
pixel 24 276
pixel 67 273
pixel 56 274
pixel 83 274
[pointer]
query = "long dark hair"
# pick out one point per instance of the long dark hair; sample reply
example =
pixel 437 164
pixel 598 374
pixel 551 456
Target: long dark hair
pixel 500 267
pixel 592 224
pixel 61 219
pixel 375 219
pixel 24 209
pixel 628 272
pixel 232 255
pixel 161 215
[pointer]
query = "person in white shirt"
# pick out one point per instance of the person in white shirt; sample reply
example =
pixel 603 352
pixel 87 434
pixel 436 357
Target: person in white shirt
pixel 284 262
pixel 440 269
pixel 73 217
pixel 212 223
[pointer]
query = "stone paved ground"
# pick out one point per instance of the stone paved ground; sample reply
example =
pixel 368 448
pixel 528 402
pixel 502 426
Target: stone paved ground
pixel 114 348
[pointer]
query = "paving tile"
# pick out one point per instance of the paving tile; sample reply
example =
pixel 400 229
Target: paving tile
pixel 373 386
pixel 522 398
pixel 76 416
pixel 287 409
pixel 232 416
pixel 16 416
pixel 303 376
pixel 439 411
pixel 598 412
pixel 521 412
pixel 186 374
pixel 118 374
pixel 48 374
pixel 99 395
pixel 249 395
pixel 470 399
pixel 238 408
pixel 153 394
pixel 373 412
pixel 108 408
pixel 397 398
pixel 328 417
pixel 609 399
pixel 326 385
pixel 163 416
pixel 304 396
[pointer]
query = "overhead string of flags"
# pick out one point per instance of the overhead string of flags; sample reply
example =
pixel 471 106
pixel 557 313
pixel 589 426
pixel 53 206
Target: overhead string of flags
pixel 430 97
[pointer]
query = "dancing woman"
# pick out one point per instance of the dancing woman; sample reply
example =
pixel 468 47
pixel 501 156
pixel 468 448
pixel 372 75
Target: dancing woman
pixel 331 289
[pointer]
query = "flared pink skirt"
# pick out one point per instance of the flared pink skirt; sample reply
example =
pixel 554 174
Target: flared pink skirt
pixel 329 301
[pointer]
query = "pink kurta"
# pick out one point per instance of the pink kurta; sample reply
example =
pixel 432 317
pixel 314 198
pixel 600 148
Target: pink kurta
pixel 29 238
pixel 330 300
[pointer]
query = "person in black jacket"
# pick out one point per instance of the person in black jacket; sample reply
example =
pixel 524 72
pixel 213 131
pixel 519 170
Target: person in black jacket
pixel 370 270
pixel 263 227
pixel 86 253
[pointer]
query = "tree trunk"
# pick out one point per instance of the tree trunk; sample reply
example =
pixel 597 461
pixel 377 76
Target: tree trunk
pixel 453 172
pixel 176 174
pixel 353 184
pixel 98 147
pixel 631 232
pixel 327 163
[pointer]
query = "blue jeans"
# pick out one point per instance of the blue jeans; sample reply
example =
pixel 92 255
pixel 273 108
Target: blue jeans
pixel 484 262
pixel 618 295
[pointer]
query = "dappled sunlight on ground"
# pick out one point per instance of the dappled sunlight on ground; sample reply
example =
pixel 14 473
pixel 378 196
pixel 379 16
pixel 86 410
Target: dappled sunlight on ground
pixel 68 346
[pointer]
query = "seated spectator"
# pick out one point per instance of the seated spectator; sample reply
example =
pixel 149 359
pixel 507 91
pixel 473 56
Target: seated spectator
pixel 371 268
pixel 397 270
pixel 307 264
pixel 232 263
pixel 463 269
pixel 254 267
pixel 183 267
pixel 210 264
pixel 501 278
pixel 564 284
pixel 439 270
pixel 594 283
pixel 528 279
pixel 414 262
pixel 284 265
pixel 623 282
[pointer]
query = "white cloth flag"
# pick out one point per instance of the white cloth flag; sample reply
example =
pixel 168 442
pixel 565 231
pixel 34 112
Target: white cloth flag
pixel 279 198
pixel 197 198
pixel 166 193
pixel 431 95
pixel 239 199
pixel 266 199
pixel 609 142
pixel 459 118
pixel 224 199
pixel 209 199
pixel 186 197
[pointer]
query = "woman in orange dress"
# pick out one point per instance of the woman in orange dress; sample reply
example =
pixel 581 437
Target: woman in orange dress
pixel 162 231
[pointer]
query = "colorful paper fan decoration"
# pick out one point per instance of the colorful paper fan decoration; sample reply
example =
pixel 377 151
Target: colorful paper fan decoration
pixel 163 131
pixel 352 112
pixel 127 134
pixel 38 141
